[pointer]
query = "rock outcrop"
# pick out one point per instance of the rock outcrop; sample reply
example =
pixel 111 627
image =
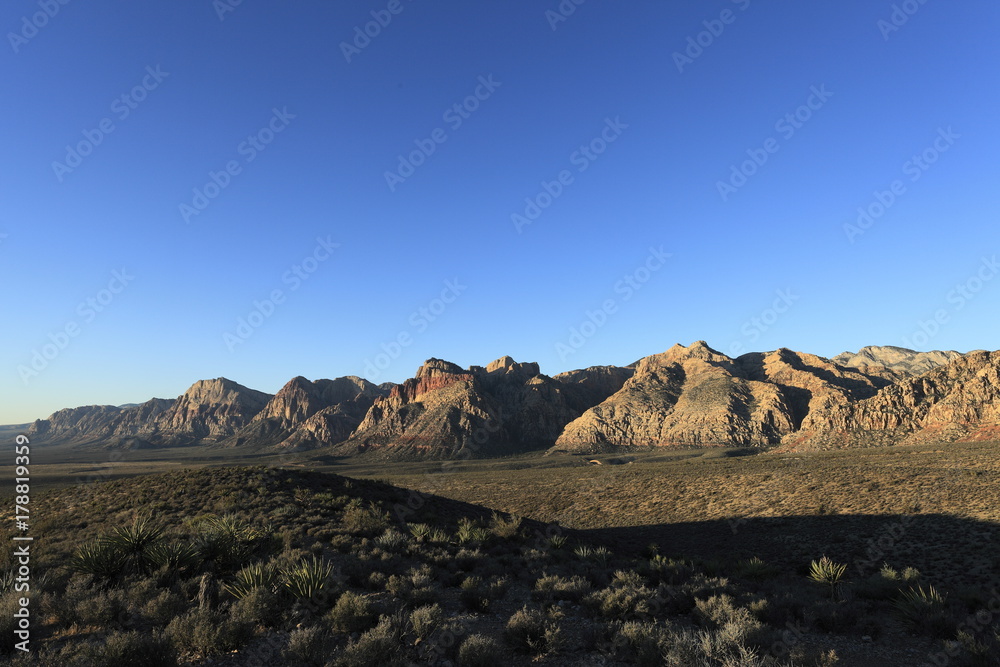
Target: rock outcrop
pixel 504 407
pixel 957 401
pixel 305 414
pixel 686 396
pixel 894 363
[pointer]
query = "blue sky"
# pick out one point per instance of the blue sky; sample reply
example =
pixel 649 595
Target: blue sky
pixel 248 159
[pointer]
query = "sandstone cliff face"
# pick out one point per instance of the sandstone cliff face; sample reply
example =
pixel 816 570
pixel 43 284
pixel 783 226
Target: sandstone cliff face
pixel 506 406
pixel 212 409
pixel 308 414
pixel 894 363
pixel 687 396
pixel 809 384
pixel 957 401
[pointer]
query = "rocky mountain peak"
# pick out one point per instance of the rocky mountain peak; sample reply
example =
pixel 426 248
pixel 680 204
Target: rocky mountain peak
pixel 435 367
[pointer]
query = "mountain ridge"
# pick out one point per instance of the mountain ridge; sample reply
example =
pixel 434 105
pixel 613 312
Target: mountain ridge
pixel 691 396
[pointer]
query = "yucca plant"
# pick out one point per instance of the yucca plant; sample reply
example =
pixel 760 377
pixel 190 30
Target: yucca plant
pixel 99 559
pixel 174 555
pixel 420 531
pixel 825 571
pixel 134 544
pixel 557 541
pixel 309 578
pixel 229 541
pixel 924 611
pixel 599 555
pixel 470 532
pixel 755 568
pixel 251 577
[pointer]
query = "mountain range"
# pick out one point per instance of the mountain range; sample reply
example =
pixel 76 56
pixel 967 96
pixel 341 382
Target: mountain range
pixel 690 396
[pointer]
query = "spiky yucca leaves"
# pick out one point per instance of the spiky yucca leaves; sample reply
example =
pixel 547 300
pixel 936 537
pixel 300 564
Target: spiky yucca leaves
pixel 420 531
pixel 599 555
pixel 309 578
pixel 923 611
pixel 228 541
pixel 252 577
pixel 470 532
pixel 98 559
pixel 175 556
pixel 135 544
pixel 825 571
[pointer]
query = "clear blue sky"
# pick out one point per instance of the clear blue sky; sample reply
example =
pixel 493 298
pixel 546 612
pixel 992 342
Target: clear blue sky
pixel 197 88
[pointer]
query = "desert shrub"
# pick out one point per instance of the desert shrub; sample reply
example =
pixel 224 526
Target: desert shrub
pixel 251 577
pixel 164 607
pixel 98 559
pixel 207 632
pixel 598 555
pixel 135 544
pixel 360 520
pixel 102 608
pixel 351 613
pixel 226 542
pixel 391 540
pixel 531 631
pixel 259 606
pixel 669 570
pixel 756 569
pixel 505 529
pixel 309 646
pixel 135 649
pixel 473 595
pixel 382 646
pixel 825 571
pixel 923 611
pixel 177 557
pixel 553 587
pixel 625 599
pixel 420 531
pixel 470 532
pixel 477 595
pixel 557 542
pixel 641 642
pixel 479 651
pixel 425 620
pixel 310 579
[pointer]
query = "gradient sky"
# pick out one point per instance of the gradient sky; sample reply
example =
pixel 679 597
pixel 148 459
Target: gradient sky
pixel 558 85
